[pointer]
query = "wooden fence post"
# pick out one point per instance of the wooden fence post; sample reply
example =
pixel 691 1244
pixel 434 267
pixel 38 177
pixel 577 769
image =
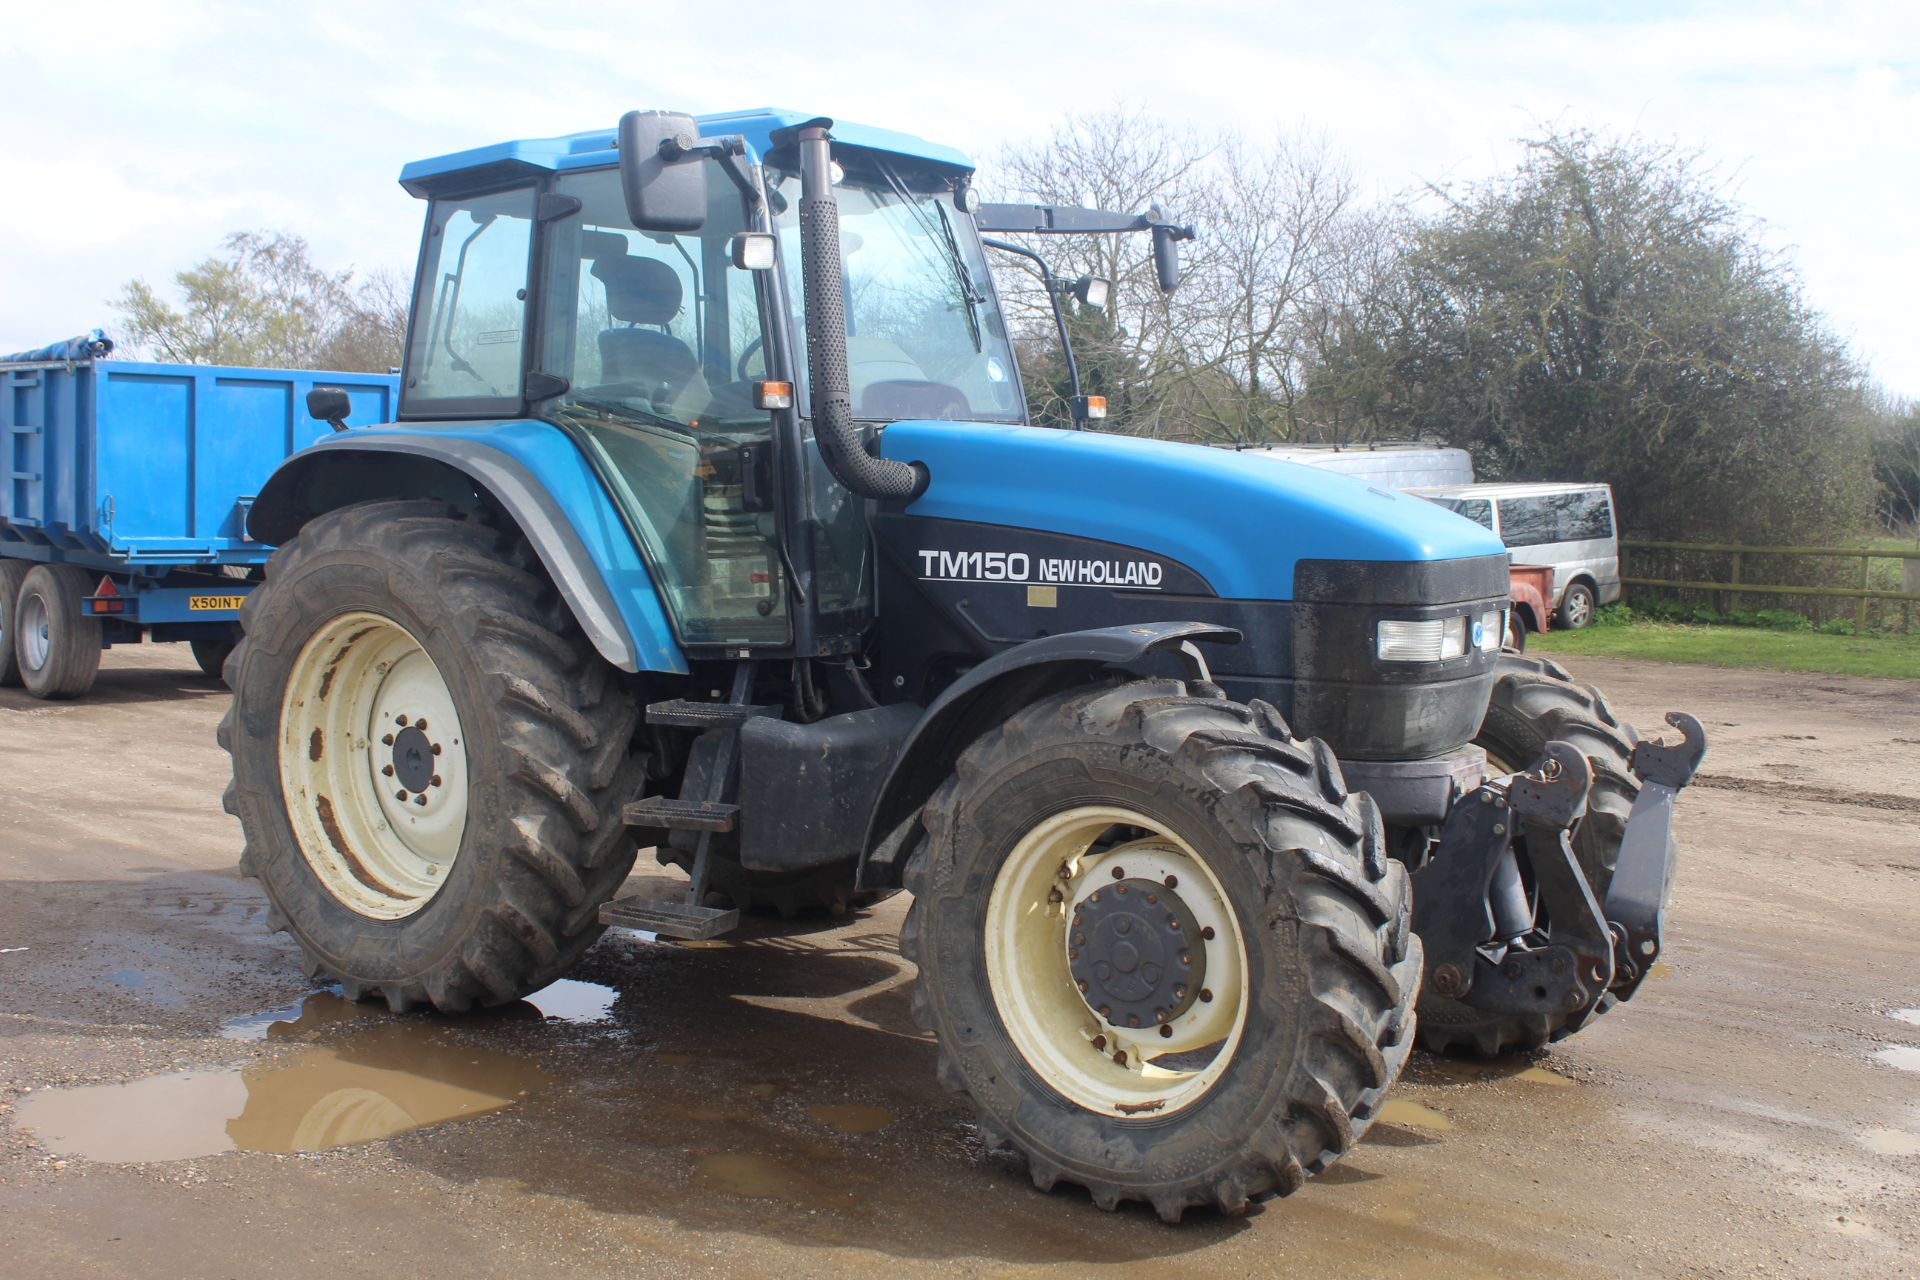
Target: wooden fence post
pixel 1866 584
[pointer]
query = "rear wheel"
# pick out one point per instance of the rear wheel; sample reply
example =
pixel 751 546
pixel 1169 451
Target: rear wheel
pixel 429 758
pixel 56 644
pixel 1162 947
pixel 12 574
pixel 1535 702
pixel 1577 607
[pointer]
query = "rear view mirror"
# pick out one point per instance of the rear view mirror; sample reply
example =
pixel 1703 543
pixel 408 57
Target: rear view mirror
pixel 1091 291
pixel 329 405
pixel 752 250
pixel 1166 256
pixel 662 177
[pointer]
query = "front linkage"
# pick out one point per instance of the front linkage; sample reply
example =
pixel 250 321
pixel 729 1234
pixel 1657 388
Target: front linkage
pixel 1510 922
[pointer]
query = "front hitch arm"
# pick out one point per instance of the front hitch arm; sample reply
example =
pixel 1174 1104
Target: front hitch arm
pixel 1636 906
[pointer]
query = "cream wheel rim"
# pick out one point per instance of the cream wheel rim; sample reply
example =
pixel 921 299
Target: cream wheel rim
pixel 1061 867
pixel 373 766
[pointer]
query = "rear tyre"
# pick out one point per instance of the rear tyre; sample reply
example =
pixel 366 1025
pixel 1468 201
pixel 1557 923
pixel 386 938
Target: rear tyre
pixel 1535 702
pixel 56 644
pixel 211 655
pixel 12 574
pixel 1577 607
pixel 1226 902
pixel 429 758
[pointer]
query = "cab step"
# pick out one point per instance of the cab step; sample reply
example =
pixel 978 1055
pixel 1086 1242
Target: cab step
pixel 666 919
pixel 680 815
pixel 681 713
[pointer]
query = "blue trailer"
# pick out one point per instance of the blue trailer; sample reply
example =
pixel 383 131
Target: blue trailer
pixel 124 493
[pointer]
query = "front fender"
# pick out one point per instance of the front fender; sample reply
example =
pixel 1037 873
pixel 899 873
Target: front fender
pixel 536 474
pixel 986 695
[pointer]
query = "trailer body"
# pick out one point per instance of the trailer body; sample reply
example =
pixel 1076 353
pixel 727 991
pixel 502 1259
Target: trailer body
pixel 140 476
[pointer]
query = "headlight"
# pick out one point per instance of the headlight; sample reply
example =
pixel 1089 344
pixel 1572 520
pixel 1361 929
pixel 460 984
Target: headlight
pixel 1428 640
pixel 1491 631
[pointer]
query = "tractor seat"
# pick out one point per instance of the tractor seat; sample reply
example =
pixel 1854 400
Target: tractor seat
pixel 647 361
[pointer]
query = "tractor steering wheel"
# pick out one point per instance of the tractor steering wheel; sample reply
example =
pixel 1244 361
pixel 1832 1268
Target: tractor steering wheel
pixel 740 366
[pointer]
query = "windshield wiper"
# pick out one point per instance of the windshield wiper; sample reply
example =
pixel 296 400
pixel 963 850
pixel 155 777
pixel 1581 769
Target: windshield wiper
pixel 969 297
pixel 615 410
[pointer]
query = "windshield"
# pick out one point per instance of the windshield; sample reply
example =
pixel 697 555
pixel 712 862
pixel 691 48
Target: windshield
pixel 924 333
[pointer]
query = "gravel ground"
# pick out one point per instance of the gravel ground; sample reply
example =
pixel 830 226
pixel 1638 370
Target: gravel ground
pixel 764 1104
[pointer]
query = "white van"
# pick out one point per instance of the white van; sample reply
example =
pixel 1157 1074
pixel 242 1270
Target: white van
pixel 1569 527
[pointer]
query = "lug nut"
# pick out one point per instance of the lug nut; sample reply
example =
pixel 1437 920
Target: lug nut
pixel 1166 1032
pixel 436 748
pixel 436 779
pixel 1055 897
pixel 1179 993
pixel 1065 873
pixel 1100 1043
pixel 1079 939
pixel 1153 899
pixel 1120 1057
pixel 1106 1011
pixel 1119 873
pixel 1172 882
pixel 421 724
pixel 1206 933
pixel 386 740
pixel 1082 984
pixel 1173 923
pixel 401 796
pixel 401 721
pixel 1133 1020
pixel 1206 996
pixel 1186 957
pixel 1120 888
pixel 421 799
pixel 386 770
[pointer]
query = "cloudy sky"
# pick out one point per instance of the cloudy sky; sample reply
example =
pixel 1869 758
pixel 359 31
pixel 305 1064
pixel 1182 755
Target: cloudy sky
pixel 144 132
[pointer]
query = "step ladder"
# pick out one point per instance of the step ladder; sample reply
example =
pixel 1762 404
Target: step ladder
pixel 691 918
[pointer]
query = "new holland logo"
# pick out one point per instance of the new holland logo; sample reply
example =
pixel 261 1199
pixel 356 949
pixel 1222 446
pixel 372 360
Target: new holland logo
pixel 1018 566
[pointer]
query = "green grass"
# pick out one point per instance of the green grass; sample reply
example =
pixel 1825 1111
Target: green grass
pixel 1809 651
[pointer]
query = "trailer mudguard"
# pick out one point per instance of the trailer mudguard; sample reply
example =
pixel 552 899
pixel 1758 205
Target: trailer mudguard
pixel 536 474
pixel 987 694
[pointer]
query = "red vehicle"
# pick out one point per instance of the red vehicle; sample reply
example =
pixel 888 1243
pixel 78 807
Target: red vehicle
pixel 1530 587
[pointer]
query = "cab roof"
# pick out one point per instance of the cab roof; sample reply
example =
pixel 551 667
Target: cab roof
pixel 595 149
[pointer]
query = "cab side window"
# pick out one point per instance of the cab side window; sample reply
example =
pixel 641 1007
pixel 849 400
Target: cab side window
pixel 468 346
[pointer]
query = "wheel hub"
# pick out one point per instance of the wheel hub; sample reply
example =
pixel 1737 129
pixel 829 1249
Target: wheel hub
pixel 1134 951
pixel 413 754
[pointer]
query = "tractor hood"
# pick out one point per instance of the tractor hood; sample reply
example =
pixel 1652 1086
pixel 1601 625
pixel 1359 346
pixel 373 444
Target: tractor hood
pixel 1241 521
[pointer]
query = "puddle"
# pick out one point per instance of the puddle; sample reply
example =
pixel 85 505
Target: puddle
pixel 676 1059
pixel 127 978
pixel 570 1000
pixel 753 1176
pixel 1905 1015
pixel 764 1090
pixel 1540 1075
pixel 389 1077
pixel 1904 1056
pixel 1892 1142
pixel 1414 1116
pixel 856 1119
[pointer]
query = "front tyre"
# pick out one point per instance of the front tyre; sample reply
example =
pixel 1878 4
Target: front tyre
pixel 1162 947
pixel 429 758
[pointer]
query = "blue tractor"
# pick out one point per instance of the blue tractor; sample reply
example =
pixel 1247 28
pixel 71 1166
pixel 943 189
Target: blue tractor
pixel 712 522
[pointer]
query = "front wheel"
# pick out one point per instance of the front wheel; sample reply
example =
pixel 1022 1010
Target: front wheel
pixel 1162 947
pixel 429 758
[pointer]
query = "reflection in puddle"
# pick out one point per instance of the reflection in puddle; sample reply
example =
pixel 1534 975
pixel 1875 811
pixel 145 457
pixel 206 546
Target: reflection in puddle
pixel 856 1119
pixel 1906 1015
pixel 1414 1116
pixel 570 1000
pixel 1540 1075
pixel 734 1174
pixel 1892 1142
pixel 1904 1056
pixel 385 1078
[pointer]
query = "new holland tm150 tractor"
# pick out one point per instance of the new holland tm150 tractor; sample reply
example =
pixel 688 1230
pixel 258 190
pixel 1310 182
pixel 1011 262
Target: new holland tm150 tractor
pixel 712 522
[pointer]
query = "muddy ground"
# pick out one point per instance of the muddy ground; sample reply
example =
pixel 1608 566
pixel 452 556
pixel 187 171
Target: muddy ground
pixel 765 1105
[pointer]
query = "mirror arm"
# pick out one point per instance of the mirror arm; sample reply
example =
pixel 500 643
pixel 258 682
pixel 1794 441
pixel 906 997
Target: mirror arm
pixel 1059 321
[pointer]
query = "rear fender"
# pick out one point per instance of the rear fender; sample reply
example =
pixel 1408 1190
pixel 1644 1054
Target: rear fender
pixel 989 693
pixel 535 474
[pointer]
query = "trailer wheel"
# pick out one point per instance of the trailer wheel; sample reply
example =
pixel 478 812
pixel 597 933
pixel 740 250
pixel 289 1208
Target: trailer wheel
pixel 1161 946
pixel 429 758
pixel 1534 702
pixel 56 644
pixel 211 655
pixel 12 574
